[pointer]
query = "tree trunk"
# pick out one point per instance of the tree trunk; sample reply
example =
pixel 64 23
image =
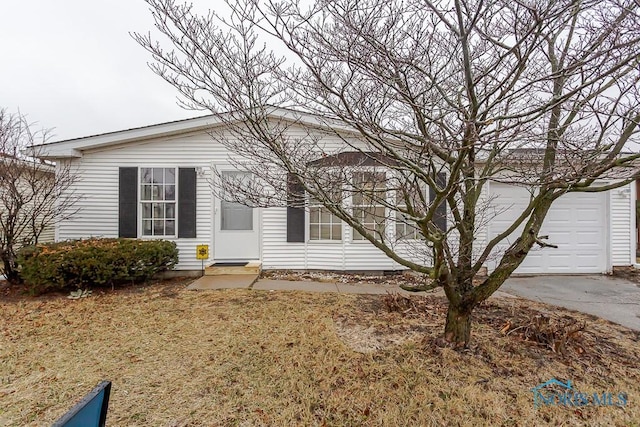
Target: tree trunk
pixel 9 268
pixel 457 330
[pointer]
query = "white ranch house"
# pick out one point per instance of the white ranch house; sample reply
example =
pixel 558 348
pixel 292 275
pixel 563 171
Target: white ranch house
pixel 595 232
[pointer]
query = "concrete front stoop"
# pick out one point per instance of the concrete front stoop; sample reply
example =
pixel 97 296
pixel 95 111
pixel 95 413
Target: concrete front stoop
pixel 219 269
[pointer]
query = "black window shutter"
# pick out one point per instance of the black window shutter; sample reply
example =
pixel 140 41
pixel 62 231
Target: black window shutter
pixel 440 216
pixel 128 202
pixel 187 202
pixel 295 210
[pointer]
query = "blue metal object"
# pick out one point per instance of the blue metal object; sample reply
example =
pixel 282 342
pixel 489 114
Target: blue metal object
pixel 91 411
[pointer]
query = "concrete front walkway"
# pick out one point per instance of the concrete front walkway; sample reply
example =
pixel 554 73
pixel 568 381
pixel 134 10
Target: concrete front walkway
pixel 614 299
pixel 249 281
pixel 239 281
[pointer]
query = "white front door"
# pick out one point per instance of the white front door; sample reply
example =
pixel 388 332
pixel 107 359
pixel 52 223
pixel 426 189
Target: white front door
pixel 236 234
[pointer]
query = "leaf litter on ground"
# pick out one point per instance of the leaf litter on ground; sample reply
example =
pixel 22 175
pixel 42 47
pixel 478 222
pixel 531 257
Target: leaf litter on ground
pixel 247 357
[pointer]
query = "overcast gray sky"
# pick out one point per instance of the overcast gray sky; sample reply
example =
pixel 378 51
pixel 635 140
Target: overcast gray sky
pixel 71 65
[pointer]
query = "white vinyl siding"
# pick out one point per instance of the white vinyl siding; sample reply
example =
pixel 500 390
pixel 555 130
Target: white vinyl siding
pixel 622 225
pixel 48 234
pixel 277 253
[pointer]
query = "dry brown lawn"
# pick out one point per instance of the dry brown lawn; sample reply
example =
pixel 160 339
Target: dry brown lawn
pixel 244 357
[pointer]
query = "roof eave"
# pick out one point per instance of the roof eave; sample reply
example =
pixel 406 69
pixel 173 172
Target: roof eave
pixel 56 155
pixel 73 148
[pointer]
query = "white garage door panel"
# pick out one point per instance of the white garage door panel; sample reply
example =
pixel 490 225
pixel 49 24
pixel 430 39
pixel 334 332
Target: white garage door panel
pixel 576 223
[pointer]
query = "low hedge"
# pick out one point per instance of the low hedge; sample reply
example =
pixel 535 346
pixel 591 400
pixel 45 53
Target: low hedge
pixel 88 263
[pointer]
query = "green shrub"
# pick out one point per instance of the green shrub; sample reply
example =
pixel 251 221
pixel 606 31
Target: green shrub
pixel 84 264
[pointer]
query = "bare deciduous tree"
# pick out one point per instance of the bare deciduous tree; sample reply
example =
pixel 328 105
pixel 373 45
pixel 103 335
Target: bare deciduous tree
pixel 437 98
pixel 34 195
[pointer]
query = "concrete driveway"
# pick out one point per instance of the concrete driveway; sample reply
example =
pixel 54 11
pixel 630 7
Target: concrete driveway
pixel 614 299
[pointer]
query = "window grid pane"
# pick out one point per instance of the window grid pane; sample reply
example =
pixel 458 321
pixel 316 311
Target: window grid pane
pixel 418 196
pixel 323 225
pixel 369 187
pixel 314 232
pixel 372 219
pixel 170 228
pixel 157 184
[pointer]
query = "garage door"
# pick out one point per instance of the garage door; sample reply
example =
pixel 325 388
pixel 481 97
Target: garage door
pixel 576 223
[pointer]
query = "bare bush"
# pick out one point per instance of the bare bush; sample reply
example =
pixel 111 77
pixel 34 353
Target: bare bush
pixel 34 194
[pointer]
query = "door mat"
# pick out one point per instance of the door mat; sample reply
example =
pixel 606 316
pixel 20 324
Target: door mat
pixel 230 264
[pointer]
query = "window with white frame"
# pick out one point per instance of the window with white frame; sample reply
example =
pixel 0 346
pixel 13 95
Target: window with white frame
pixel 416 196
pixel 369 189
pixel 158 201
pixel 324 225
